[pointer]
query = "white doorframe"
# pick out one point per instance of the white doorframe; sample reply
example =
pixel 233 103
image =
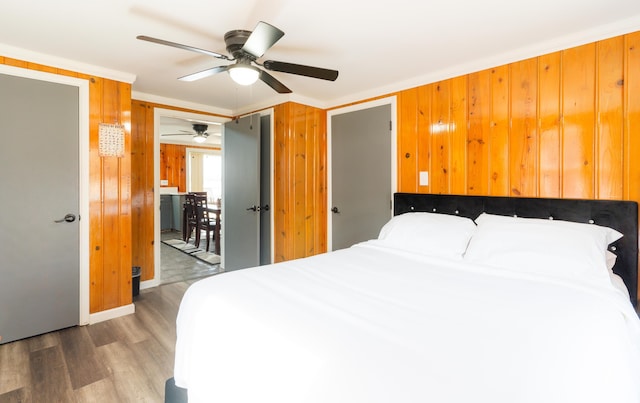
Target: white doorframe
pixel 271 181
pixel 83 166
pixel 394 157
pixel 157 114
pixel 269 112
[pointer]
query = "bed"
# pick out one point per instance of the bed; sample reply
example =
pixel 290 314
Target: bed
pixel 530 301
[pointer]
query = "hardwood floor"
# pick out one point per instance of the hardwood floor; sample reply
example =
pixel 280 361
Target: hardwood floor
pixel 127 359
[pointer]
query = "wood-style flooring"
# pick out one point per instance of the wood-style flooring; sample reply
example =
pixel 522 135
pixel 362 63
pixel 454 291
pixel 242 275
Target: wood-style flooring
pixel 126 359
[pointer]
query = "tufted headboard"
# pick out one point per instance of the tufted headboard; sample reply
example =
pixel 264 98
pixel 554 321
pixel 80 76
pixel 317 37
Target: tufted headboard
pixel 619 215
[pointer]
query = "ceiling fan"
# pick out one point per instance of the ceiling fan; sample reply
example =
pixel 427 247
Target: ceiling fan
pixel 200 135
pixel 245 48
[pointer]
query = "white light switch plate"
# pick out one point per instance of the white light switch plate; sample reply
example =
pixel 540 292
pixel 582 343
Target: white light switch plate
pixel 424 178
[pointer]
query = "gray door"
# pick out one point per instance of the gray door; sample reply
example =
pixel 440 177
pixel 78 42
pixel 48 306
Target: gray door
pixel 39 154
pixel 241 193
pixel 360 175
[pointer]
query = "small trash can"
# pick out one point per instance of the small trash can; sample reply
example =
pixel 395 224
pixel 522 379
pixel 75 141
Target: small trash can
pixel 135 280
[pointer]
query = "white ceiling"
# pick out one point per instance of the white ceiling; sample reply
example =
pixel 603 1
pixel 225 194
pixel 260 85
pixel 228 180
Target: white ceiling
pixel 378 46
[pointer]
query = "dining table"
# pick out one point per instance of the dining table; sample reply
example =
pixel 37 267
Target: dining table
pixel 216 233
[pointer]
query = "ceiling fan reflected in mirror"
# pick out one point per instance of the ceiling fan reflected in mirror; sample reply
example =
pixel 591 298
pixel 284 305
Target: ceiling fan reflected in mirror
pixel 200 135
pixel 245 48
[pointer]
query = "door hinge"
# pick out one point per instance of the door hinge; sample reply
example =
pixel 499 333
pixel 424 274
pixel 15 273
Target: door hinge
pixel 390 125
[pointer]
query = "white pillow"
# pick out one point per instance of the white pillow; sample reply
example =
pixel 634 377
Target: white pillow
pixel 555 247
pixel 441 235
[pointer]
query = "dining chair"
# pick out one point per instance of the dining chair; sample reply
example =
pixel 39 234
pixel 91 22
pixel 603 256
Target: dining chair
pixel 204 221
pixel 189 219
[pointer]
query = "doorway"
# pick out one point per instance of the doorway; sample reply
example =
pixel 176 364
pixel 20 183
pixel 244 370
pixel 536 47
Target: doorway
pixel 174 130
pixel 47 290
pixel 361 171
pixel 265 123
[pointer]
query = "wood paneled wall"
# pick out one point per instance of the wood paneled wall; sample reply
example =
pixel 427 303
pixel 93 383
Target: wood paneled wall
pixel 173 165
pixel 300 181
pixel 142 188
pixel 109 191
pixel 563 124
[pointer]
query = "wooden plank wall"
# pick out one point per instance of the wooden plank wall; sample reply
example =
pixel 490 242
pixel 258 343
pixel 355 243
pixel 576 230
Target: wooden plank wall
pixel 559 125
pixel 142 188
pixel 564 124
pixel 109 191
pixel 173 165
pixel 300 181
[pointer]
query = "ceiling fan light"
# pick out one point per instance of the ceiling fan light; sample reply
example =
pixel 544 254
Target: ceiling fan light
pixel 199 139
pixel 244 75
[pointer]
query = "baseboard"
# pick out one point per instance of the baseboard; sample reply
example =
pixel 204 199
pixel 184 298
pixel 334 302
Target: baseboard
pixel 149 283
pixel 111 313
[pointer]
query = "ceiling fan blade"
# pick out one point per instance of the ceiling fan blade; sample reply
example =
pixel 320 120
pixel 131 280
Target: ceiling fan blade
pixel 181 46
pixel 261 39
pixel 273 83
pixel 299 69
pixel 204 73
pixel 178 134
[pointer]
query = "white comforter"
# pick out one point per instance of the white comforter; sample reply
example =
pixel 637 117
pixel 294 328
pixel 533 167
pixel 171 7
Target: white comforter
pixel 370 324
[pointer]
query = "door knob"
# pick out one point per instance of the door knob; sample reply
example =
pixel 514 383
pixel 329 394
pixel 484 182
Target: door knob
pixel 254 208
pixel 67 218
pixel 335 210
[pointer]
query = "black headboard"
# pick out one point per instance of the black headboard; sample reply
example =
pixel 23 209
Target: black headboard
pixel 619 215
